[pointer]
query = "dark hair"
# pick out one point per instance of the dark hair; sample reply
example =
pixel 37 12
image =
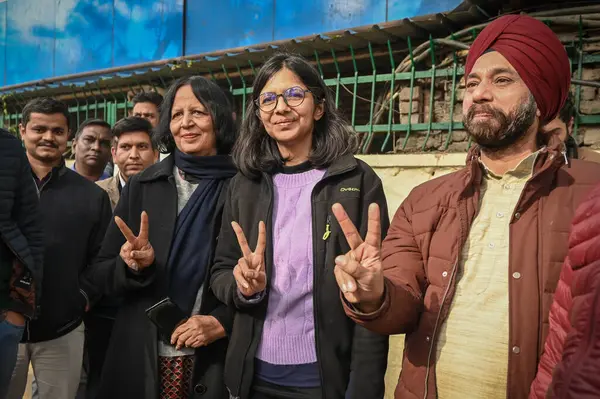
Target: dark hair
pixel 257 152
pixel 91 122
pixel 216 103
pixel 147 97
pixel 45 105
pixel 133 124
pixel 567 111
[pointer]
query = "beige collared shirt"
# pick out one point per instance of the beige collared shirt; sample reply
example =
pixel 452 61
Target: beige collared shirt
pixel 472 349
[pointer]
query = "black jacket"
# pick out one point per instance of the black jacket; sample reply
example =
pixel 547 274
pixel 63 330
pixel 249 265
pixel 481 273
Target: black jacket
pixel 131 364
pixel 351 359
pixel 21 237
pixel 75 213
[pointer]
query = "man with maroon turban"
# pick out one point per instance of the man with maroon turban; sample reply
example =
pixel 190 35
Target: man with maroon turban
pixel 471 261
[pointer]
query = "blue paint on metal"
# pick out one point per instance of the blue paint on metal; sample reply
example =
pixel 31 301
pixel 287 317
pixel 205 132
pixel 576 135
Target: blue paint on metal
pixel 45 38
pixel 309 17
pixel 147 30
pixel 217 25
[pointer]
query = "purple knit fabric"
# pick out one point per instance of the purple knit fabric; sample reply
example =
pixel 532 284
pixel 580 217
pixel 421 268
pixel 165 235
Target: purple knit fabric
pixel 288 335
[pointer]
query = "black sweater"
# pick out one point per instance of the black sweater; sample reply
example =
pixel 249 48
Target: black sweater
pixel 75 215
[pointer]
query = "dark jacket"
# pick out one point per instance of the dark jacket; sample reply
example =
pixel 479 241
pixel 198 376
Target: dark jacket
pixel 420 257
pixel 21 237
pixel 131 364
pixel 75 213
pixel 351 359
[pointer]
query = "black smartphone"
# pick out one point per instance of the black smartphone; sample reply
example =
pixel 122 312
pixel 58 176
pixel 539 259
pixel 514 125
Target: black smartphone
pixel 167 316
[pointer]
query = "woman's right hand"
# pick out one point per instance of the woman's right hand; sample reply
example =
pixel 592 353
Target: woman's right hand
pixel 137 252
pixel 249 273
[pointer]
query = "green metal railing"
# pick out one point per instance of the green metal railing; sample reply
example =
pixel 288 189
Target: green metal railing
pixel 366 84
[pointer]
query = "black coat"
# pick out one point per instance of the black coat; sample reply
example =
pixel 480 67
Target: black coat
pixel 21 236
pixel 352 361
pixel 75 213
pixel 131 365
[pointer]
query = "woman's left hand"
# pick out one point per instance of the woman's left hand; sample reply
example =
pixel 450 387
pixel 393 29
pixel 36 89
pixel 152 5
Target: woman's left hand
pixel 197 331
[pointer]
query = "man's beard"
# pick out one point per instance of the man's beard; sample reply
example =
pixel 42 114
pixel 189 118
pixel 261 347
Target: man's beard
pixel 500 131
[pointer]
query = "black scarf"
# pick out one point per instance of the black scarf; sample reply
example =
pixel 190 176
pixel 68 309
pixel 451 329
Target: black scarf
pixel 193 239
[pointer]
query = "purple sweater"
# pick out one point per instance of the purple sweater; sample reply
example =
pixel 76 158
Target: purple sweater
pixel 288 336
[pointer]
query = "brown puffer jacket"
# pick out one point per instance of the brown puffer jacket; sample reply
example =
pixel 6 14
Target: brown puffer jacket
pixel 421 254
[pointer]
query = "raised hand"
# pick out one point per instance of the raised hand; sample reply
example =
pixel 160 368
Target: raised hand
pixel 359 273
pixel 249 272
pixel 137 252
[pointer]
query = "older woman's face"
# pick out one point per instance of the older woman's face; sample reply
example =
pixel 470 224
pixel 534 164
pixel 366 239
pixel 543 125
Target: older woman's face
pixel 192 125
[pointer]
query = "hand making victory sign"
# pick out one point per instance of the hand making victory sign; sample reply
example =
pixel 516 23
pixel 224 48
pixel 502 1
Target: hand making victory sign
pixel 249 272
pixel 137 252
pixel 359 273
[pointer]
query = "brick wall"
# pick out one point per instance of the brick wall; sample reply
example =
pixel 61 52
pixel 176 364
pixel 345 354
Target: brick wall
pixel 588 135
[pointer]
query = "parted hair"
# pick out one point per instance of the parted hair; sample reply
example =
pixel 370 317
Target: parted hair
pixel 256 152
pixel 216 103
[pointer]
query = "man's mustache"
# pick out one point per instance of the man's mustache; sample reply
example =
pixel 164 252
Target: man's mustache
pixel 45 143
pixel 483 109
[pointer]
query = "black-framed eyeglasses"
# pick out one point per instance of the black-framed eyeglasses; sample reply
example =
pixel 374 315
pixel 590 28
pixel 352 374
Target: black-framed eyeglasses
pixel 293 97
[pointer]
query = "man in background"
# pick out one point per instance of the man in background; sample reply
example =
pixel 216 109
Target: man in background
pixel 562 126
pixel 147 105
pixel 91 146
pixel 132 151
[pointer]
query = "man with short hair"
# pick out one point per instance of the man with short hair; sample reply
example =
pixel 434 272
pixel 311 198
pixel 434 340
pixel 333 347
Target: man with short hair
pixel 147 105
pixel 562 126
pixel 471 260
pixel 75 214
pixel 91 146
pixel 21 251
pixel 133 150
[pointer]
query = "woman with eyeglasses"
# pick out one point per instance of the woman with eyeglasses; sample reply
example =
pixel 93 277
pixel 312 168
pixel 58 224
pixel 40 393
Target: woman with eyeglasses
pixel 274 262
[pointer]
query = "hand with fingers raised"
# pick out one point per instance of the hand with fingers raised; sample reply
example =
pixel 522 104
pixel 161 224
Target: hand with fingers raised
pixel 359 272
pixel 137 252
pixel 249 273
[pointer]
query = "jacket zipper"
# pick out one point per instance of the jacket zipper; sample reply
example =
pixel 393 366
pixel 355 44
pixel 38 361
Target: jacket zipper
pixel 315 272
pixel 327 228
pixel 269 254
pixel 434 334
pixel 315 284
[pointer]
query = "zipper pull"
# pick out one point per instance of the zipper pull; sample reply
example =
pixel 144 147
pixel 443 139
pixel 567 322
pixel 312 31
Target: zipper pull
pixel 327 229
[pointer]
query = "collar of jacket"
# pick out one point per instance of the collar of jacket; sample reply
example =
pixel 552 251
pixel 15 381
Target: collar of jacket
pixel 160 170
pixel 343 164
pixel 59 170
pixel 551 158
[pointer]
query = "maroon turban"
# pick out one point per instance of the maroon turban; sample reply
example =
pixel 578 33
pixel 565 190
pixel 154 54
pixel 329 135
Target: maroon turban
pixel 535 52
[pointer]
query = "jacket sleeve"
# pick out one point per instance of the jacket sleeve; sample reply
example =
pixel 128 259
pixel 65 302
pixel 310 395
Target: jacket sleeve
pixel 404 279
pixel 27 212
pixel 95 243
pixel 369 349
pixel 559 327
pixel 227 254
pixel 108 274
